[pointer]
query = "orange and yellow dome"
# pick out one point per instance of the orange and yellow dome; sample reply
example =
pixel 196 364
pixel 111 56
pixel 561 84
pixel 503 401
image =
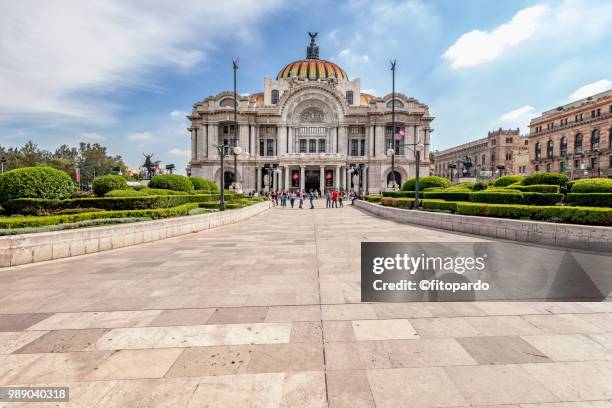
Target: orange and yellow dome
pixel 312 69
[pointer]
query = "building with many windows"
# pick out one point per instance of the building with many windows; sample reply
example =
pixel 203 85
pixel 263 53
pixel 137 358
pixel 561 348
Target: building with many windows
pixel 501 152
pixel 575 139
pixel 312 129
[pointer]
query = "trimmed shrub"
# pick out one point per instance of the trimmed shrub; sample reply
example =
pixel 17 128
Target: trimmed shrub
pixel 504 181
pixel 426 182
pixel 125 193
pixel 439 205
pixel 200 183
pixel 546 178
pixel 398 194
pixel 35 182
pixel 79 224
pixel 398 202
pixel 542 198
pixel 480 186
pixel 593 185
pixel 24 222
pixel 174 182
pixel 535 188
pixel 447 195
pixel 104 184
pixel 496 197
pixel 590 199
pixel 373 199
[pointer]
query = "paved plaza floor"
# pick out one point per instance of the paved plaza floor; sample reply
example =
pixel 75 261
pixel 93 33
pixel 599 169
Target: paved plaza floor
pixel 267 313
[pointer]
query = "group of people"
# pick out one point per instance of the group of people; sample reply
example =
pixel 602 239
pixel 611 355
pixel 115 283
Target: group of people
pixel 333 199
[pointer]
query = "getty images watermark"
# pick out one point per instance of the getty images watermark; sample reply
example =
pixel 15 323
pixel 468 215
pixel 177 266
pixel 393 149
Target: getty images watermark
pixel 465 271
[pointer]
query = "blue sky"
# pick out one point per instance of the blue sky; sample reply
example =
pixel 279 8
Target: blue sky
pixel 122 74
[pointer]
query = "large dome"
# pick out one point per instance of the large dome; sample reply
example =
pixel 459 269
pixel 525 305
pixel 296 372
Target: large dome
pixel 312 69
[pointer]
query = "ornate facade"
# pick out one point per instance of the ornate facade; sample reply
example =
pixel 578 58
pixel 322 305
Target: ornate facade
pixel 312 129
pixel 575 139
pixel 501 152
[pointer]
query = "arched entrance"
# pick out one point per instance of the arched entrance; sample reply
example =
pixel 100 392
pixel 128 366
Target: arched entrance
pixel 312 181
pixel 391 179
pixel 228 179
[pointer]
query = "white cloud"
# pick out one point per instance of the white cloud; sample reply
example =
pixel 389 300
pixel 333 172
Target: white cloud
pixel 351 59
pixel 63 57
pixel 591 89
pixel 518 118
pixel 141 136
pixel 477 47
pixel 180 152
pixel 92 137
pixel 369 91
pixel 178 114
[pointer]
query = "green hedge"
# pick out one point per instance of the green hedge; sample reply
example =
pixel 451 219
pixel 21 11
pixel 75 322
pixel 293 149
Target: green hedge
pixel 448 195
pixel 504 181
pixel 398 202
pixel 28 222
pixel 594 185
pixel 497 197
pixel 32 206
pixel 79 224
pixel 373 199
pixel 571 215
pixel 439 205
pixel 590 199
pixel 398 194
pixel 558 179
pixel 174 182
pixel 542 198
pixel 200 183
pixel 103 184
pixel 535 188
pixel 144 192
pixel 425 182
pixel 35 182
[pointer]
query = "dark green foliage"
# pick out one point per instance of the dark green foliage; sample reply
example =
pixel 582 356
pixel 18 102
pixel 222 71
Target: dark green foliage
pixel 35 182
pixel 535 188
pixel 509 197
pixel 542 198
pixel 372 198
pixel 398 194
pixel 144 192
pixel 200 183
pixel 594 185
pixel 425 182
pixel 504 181
pixel 589 199
pixel 448 195
pixel 439 205
pixel 480 186
pixel 104 184
pixel 79 224
pixel 174 182
pixel 546 178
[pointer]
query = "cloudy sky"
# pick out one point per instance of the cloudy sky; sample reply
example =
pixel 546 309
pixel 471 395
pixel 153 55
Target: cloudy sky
pixel 124 74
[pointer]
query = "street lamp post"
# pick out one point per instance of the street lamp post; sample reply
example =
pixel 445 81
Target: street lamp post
pixel 416 149
pixel 235 67
pixel 393 121
pixel 223 151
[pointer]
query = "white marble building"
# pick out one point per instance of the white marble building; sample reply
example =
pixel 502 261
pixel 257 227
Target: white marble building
pixel 307 130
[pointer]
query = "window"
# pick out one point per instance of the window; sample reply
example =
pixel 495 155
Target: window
pixel 398 104
pixel 576 164
pixel 227 103
pixel 321 145
pixel 563 146
pixel 303 146
pixel 536 167
pixel 598 112
pixel 578 143
pixel 349 97
pixel 509 155
pixel 493 157
pixel 593 162
pixel 390 141
pixel 538 151
pixel 483 159
pixel 592 113
pixel 261 147
pixel 312 146
pixel 493 142
pixel 354 147
pixel 269 147
pixel 549 167
pixel 274 96
pixel 549 149
pixel 595 139
pixel 509 140
pixel 362 147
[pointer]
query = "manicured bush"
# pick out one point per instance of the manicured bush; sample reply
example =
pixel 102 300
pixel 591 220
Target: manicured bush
pixel 504 181
pixel 593 185
pixel 535 188
pixel 79 224
pixel 125 193
pixel 465 185
pixel 200 183
pixel 439 205
pixel 426 182
pixel 373 199
pixel 398 194
pixel 496 197
pixel 104 184
pixel 447 195
pixel 572 215
pixel 398 202
pixel 174 182
pixel 35 182
pixel 589 199
pixel 24 222
pixel 480 186
pixel 546 178
pixel 530 198
pixel 32 206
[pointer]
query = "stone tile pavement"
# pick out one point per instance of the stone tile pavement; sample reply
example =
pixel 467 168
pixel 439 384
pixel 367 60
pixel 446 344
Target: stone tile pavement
pixel 266 313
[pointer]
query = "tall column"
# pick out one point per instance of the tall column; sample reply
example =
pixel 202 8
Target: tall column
pixel 202 142
pixel 282 140
pixel 287 177
pixel 380 141
pixel 258 181
pixel 322 179
pixel 194 146
pixel 302 177
pixel 344 179
pixel 337 178
pixel 366 173
pixel 213 140
pixel 252 140
pixel 342 142
pixel 291 144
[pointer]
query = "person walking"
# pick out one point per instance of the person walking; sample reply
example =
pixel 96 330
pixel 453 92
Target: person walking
pixel 273 198
pixel 292 198
pixel 334 198
pixel 311 198
pixel 284 199
pixel 340 199
pixel 328 202
pixel 300 195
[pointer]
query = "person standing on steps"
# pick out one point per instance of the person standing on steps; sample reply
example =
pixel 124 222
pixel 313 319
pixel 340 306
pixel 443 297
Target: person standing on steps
pixel 311 199
pixel 340 198
pixel 334 197
pixel 292 198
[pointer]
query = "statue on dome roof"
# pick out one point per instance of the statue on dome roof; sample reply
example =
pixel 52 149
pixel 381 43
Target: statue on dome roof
pixel 312 51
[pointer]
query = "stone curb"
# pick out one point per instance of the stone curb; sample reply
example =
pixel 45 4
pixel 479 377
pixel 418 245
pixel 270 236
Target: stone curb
pixel 586 237
pixel 45 246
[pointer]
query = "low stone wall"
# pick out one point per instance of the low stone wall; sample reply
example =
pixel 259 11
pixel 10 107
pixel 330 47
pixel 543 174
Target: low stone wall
pixel 546 233
pixel 44 246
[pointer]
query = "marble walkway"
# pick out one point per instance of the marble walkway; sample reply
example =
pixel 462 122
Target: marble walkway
pixel 267 313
